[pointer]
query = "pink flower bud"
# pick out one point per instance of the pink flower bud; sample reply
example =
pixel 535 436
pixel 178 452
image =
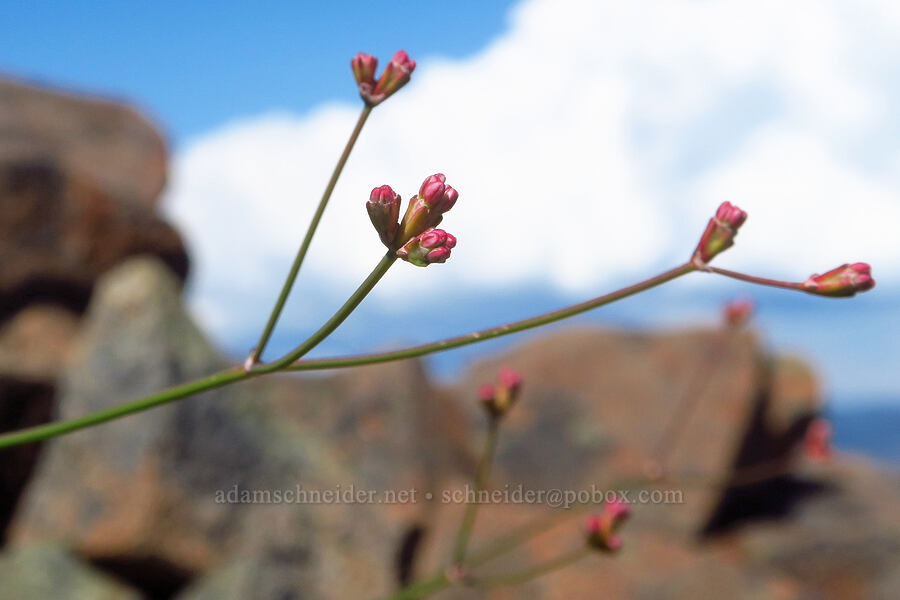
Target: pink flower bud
pixel 364 66
pixel 432 188
pixel 843 281
pixel 384 211
pixel 738 312
pixel 498 398
pixel 426 210
pixel 817 442
pixel 601 528
pixel 430 246
pixel 719 233
pixel 396 74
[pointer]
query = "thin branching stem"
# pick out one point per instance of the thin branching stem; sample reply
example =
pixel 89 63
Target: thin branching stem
pixel 290 363
pixel 482 474
pixel 307 239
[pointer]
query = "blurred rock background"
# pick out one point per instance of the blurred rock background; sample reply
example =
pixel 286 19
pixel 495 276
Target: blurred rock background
pixel 91 315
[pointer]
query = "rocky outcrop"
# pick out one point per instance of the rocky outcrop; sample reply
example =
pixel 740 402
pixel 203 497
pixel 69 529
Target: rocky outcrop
pixel 79 182
pixel 159 499
pixel 165 488
pixel 60 231
pixel 50 571
pixel 102 141
pixel 220 495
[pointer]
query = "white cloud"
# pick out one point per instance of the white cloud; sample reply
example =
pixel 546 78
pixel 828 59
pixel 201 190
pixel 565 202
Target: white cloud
pixel 589 143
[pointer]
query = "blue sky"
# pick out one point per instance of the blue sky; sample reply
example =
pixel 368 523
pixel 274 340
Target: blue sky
pixel 590 141
pixel 195 65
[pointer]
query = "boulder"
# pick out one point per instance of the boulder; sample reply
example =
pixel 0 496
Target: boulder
pixel 105 142
pixel 59 231
pixel 167 486
pixel 45 571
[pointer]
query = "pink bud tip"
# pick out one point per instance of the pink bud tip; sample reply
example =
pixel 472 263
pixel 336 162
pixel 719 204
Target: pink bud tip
pixel 486 392
pixel 843 281
pixel 402 59
pixel 384 194
pixel 384 212
pixel 730 215
pixel 738 312
pixel 430 246
pixel 395 75
pixel 509 378
pixel 601 528
pixel 498 398
pixel 426 210
pixel 364 66
pixel 719 234
pixel 817 442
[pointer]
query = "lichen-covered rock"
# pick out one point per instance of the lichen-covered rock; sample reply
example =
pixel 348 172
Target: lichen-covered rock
pixel 155 485
pixel 49 572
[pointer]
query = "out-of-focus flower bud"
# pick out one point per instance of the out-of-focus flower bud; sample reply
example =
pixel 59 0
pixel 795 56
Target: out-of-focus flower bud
pixel 817 441
pixel 498 398
pixel 384 211
pixel 738 312
pixel 601 528
pixel 431 246
pixel 843 281
pixel 364 66
pixel 719 233
pixel 396 74
pixel 426 210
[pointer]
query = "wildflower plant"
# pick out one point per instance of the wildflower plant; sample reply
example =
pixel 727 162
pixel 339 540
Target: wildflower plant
pixel 416 239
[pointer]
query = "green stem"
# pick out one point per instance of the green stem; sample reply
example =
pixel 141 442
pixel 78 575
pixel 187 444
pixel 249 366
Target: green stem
pixel 216 380
pixel 307 239
pixel 482 474
pixel 222 378
pixel 757 280
pixel 512 540
pixel 534 572
pixel 493 332
pixel 42 432
pixel 331 324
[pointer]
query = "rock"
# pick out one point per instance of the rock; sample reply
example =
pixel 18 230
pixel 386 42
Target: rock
pixel 22 404
pixel 600 408
pixel 842 542
pixel 260 578
pixel 35 343
pixel 160 496
pixel 79 179
pixel 60 231
pixel 46 571
pixel 158 486
pixel 103 142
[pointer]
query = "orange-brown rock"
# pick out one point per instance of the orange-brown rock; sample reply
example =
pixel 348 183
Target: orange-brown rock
pixel 102 141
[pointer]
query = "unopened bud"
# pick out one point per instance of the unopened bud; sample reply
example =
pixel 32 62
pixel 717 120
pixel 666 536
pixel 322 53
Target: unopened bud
pixel 843 281
pixel 431 246
pixel 498 398
pixel 601 528
pixel 738 312
pixel 817 441
pixel 384 211
pixel 396 74
pixel 364 66
pixel 426 210
pixel 719 233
